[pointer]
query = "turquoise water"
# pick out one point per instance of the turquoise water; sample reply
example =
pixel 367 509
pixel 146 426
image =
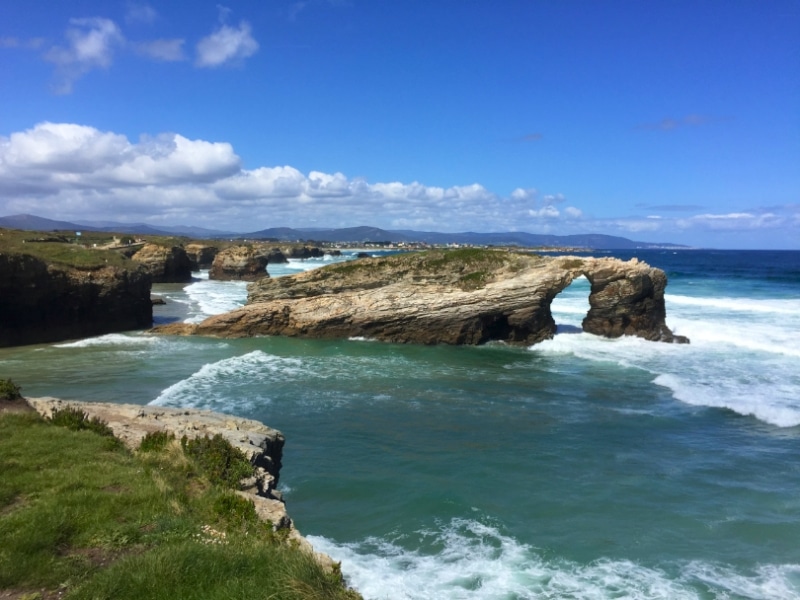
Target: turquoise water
pixel 578 468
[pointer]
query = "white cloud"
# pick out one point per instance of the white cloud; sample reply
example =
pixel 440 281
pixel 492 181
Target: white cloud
pixel 72 172
pixel 91 45
pixel 162 50
pixel 53 157
pixel 226 45
pixel 140 13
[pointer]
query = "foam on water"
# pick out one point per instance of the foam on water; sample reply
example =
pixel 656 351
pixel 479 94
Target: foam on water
pixel 228 385
pixel 743 352
pixel 469 559
pixel 207 298
pixel 113 339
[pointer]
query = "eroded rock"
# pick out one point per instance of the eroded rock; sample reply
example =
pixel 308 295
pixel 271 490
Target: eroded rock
pixel 457 297
pixel 240 263
pixel 165 264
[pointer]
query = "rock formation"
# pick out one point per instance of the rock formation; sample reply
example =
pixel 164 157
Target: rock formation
pixel 200 255
pixel 45 302
pixel 276 257
pixel 304 252
pixel 452 297
pixel 165 264
pixel 245 263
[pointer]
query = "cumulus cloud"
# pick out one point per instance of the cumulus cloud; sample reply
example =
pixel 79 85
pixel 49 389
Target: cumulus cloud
pixel 73 172
pixel 54 158
pixel 91 43
pixel 226 45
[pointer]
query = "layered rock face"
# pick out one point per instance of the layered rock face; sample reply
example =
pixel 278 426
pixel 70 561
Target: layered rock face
pixel 201 256
pixel 451 297
pixel 244 263
pixel 165 265
pixel 41 302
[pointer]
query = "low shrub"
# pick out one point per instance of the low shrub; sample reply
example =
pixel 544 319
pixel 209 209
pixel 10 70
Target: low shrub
pixel 9 390
pixel 77 420
pixel 222 463
pixel 155 441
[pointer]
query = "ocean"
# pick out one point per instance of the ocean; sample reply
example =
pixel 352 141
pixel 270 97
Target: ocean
pixel 580 468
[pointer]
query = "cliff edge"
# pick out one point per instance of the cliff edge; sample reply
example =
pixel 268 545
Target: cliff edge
pixel 466 296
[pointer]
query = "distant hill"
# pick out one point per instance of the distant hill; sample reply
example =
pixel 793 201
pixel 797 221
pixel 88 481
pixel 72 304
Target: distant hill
pixel 353 235
pixel 519 238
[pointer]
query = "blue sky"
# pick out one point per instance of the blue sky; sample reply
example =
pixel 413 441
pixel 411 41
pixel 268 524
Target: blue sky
pixel 659 121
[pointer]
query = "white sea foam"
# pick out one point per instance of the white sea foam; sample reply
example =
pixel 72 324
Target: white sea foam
pixel 743 352
pixel 228 385
pixel 208 297
pixel 768 305
pixel 477 561
pixel 114 339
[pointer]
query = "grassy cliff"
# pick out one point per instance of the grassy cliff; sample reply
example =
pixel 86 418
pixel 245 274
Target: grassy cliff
pixel 83 517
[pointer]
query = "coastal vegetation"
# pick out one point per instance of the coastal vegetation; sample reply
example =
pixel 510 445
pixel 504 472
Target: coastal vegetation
pixel 84 518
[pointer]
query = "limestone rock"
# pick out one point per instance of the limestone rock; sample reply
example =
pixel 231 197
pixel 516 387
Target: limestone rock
pixel 45 302
pixel 165 264
pixel 457 297
pixel 201 256
pixel 245 263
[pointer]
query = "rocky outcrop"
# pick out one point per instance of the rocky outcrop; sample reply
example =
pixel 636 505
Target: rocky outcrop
pixel 276 257
pixel 240 263
pixel 456 297
pixel 165 264
pixel 201 256
pixel 304 252
pixel 261 444
pixel 44 302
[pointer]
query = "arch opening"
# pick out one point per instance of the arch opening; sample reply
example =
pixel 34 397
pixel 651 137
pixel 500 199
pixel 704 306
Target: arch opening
pixel 571 305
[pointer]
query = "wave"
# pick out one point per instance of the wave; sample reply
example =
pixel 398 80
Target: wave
pixel 772 403
pixel 232 384
pixel 770 306
pixel 113 339
pixel 475 560
pixel 747 376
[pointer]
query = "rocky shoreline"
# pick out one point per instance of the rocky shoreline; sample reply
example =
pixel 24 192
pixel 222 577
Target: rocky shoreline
pixel 262 445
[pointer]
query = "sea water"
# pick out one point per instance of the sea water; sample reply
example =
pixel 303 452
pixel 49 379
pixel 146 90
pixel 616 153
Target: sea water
pixel 580 467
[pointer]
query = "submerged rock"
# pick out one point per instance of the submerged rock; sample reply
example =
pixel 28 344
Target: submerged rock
pixel 453 297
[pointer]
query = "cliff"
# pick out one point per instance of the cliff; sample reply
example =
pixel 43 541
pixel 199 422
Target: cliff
pixel 452 297
pixel 43 301
pixel 165 264
pixel 261 444
pixel 245 263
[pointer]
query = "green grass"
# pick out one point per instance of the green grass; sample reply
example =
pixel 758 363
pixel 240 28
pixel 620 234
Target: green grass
pixel 94 520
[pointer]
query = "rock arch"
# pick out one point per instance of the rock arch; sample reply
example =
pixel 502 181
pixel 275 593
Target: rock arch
pixel 462 297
